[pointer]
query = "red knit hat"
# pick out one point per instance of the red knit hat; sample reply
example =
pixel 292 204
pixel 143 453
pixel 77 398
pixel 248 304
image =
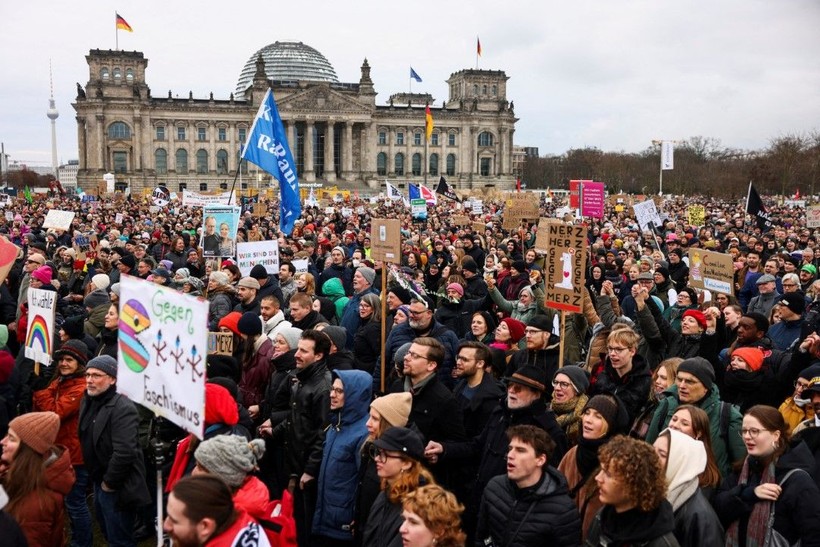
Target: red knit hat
pixel 37 430
pixel 698 316
pixel 753 357
pixel 516 328
pixel 220 406
pixel 231 322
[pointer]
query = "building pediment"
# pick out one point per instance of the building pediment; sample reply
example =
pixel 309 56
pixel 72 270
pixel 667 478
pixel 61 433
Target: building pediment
pixel 320 99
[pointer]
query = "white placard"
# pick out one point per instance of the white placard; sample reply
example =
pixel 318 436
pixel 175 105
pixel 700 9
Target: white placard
pixel 39 343
pixel 195 199
pixel 646 212
pixel 163 345
pixel 300 264
pixel 118 218
pixel 347 212
pixel 59 220
pixel 10 216
pixel 478 207
pixel 252 253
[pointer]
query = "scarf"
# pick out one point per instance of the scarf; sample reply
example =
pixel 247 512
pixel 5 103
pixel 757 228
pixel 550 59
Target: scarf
pixel 568 416
pixel 759 517
pixel 586 457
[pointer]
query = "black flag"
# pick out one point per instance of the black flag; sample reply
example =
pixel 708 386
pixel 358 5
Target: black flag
pixel 754 207
pixel 444 189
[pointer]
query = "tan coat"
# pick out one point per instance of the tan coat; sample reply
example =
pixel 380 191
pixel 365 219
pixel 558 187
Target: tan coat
pixel 586 499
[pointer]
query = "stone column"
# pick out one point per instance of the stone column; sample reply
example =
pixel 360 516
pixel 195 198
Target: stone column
pixel 102 146
pixel 501 164
pixel 391 153
pixel 310 176
pixel 291 133
pixel 330 167
pixel 347 152
pixel 232 148
pixel 81 143
pixel 137 159
pixel 472 149
pixel 367 159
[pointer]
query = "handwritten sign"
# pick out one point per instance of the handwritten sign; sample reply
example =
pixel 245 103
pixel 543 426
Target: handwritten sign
pixel 220 343
pixel 58 220
pixel 565 246
pixel 520 206
pixel 163 344
pixel 301 265
pixel 385 240
pixel 460 220
pixel 813 216
pixel 697 215
pixel 252 253
pixel 39 344
pixel 646 212
pixel 711 271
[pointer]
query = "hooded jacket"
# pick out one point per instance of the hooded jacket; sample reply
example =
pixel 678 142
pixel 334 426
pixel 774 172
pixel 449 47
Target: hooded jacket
pixel 351 320
pixel 544 515
pixel 335 292
pixel 341 457
pixel 41 514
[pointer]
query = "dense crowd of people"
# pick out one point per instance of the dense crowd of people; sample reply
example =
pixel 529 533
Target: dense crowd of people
pixel 661 414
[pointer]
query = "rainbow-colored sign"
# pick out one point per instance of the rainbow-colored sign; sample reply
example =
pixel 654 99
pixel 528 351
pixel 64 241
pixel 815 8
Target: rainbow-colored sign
pixel 40 333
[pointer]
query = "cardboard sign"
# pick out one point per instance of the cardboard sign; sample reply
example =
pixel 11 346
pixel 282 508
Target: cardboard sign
pixel 252 253
pixel 592 199
pixel 85 246
pixel 220 343
pixel 460 220
pixel 59 220
pixel 479 227
pixel 301 265
pixel 385 240
pixel 566 265
pixel 696 214
pixel 163 345
pixel 813 217
pixel 711 271
pixel 39 343
pixel 521 206
pixel 646 212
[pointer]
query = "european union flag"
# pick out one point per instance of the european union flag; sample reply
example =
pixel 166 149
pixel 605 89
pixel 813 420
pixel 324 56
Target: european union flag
pixel 414 192
pixel 267 147
pixel 414 75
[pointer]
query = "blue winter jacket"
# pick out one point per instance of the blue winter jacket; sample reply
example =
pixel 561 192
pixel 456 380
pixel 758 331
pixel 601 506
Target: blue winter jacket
pixel 339 474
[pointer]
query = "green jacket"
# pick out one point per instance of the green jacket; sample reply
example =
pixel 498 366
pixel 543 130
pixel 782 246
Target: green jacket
pixel 335 292
pixel 511 306
pixel 728 448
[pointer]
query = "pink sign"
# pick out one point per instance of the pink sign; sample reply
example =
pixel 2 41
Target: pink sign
pixel 592 199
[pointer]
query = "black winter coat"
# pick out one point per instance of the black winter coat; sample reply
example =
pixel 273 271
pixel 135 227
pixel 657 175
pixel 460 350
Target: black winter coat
pixel 304 429
pixel 277 396
pixel 696 523
pixel 633 528
pixel 632 388
pixel 476 411
pixel 367 344
pixel 383 523
pixel 545 516
pixel 545 359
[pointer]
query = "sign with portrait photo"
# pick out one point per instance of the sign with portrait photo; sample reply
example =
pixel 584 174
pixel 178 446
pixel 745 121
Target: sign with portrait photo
pixel 219 226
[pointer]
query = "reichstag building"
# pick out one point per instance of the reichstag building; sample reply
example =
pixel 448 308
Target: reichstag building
pixel 337 131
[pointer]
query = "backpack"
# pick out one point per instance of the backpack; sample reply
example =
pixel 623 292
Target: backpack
pixel 279 524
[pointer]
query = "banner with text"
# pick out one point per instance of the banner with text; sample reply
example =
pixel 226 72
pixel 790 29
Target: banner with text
pixel 40 333
pixel 592 199
pixel 813 216
pixel 711 271
pixel 58 220
pixel 566 260
pixel 196 199
pixel 252 253
pixel 163 345
pixel 385 240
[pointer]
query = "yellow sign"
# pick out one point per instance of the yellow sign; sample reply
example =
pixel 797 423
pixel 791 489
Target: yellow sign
pixel 697 215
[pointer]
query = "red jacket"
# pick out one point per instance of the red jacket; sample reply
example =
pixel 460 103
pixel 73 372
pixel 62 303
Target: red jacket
pixel 244 531
pixel 62 396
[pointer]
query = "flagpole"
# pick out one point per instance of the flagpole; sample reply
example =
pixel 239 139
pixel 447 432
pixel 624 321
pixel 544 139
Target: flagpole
pixel 426 166
pixel 748 195
pixel 116 33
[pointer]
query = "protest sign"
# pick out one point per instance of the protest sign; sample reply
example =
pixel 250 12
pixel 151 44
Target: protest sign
pixel 347 212
pixel 118 218
pixel 301 265
pixel 85 246
pixel 196 199
pixel 163 344
pixel 697 215
pixel 219 235
pixel 711 271
pixel 566 264
pixel 220 343
pixel 418 209
pixel 813 217
pixel 592 199
pixel 646 212
pixel 478 206
pixel 59 220
pixel 252 253
pixel 39 343
pixel 10 216
pixel 460 220
pixel 520 206
pixel 385 240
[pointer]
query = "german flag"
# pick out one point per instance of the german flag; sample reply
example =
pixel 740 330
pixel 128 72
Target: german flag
pixel 122 24
pixel 478 46
pixel 428 122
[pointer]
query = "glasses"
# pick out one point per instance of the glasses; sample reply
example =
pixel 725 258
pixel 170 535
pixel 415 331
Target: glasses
pixel 562 385
pixel 532 332
pixel 94 376
pixel 380 455
pixel 789 284
pixel 417 313
pixel 363 305
pixel 337 390
pixel 616 350
pixel 800 385
pixel 752 432
pixel 414 355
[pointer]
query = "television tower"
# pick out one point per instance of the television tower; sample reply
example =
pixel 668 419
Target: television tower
pixel 52 114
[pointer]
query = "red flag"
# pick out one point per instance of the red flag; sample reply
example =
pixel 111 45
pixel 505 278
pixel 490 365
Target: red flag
pixel 478 46
pixel 518 184
pixel 797 193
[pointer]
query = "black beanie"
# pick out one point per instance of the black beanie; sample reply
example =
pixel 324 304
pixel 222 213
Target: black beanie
pixel 663 271
pixel 700 368
pixel 259 272
pixel 73 326
pixel 612 410
pixel 249 324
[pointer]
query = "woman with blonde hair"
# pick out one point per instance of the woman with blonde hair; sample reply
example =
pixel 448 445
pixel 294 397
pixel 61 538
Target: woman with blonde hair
pixel 306 283
pixel 432 516
pixel 398 454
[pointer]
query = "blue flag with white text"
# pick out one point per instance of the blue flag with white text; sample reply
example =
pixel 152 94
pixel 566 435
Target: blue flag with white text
pixel 267 147
pixel 414 192
pixel 414 75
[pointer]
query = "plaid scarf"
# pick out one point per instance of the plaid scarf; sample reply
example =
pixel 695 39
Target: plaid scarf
pixel 759 518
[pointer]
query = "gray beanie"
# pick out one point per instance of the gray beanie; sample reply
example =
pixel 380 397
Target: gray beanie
pixel 115 288
pixel 337 335
pixel 220 278
pixel 367 273
pixel 230 457
pixel 96 298
pixel 291 336
pixel 340 249
pixel 398 357
pixel 701 369
pixel 104 363
pixel 578 376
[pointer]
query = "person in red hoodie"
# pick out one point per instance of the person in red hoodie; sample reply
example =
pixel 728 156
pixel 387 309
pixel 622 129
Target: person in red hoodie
pixel 221 418
pixel 201 511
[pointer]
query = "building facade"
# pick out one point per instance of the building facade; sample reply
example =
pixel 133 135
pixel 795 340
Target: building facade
pixel 336 131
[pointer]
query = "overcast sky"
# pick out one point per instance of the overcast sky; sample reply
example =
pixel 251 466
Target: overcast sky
pixel 610 74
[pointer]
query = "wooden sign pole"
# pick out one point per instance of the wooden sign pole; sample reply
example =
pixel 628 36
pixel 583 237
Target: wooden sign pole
pixel 561 341
pixel 385 270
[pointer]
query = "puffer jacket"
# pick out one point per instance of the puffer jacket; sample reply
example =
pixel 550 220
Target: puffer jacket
pixel 63 396
pixel 41 514
pixel 727 449
pixel 367 344
pixel 303 429
pixel 335 292
pixel 256 373
pixel 220 304
pixel 510 307
pixel 96 318
pixel 341 457
pixel 545 516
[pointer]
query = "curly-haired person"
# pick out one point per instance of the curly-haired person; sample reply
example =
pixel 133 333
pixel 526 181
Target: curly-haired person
pixel 432 517
pixel 632 487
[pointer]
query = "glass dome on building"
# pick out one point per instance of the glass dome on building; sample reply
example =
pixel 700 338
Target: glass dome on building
pixel 288 61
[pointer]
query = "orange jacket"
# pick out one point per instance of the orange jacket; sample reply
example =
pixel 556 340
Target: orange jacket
pixel 62 396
